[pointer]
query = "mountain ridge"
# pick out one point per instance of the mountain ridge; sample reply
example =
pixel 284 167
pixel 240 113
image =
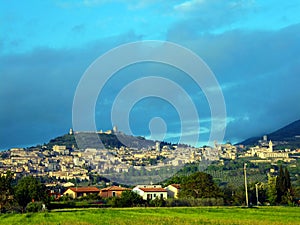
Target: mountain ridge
pixel 288 135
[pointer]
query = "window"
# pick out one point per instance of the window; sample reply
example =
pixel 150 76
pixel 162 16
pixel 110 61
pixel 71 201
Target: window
pixel 114 194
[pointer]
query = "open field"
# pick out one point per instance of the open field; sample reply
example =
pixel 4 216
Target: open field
pixel 174 216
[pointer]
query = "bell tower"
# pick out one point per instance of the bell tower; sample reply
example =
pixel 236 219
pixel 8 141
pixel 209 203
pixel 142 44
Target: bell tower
pixel 270 146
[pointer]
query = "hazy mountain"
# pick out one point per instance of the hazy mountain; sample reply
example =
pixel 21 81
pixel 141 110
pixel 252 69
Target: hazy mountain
pixel 285 136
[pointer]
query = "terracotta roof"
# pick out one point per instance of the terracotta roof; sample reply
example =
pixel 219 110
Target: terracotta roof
pixel 84 189
pixel 153 189
pixel 176 186
pixel 115 188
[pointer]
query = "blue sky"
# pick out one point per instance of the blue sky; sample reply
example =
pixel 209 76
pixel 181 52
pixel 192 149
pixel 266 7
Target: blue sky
pixel 45 46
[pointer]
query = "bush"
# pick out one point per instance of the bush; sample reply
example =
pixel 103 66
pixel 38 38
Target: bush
pixel 114 202
pixel 65 198
pixel 90 197
pixel 158 202
pixel 34 207
pixel 177 202
pixel 127 199
pixel 195 202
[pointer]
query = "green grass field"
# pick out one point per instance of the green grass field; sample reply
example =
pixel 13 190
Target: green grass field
pixel 157 216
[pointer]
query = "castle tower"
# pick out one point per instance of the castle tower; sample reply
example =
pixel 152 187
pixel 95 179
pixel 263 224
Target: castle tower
pixel 265 138
pixel 270 146
pixel 115 129
pixel 71 131
pixel 157 146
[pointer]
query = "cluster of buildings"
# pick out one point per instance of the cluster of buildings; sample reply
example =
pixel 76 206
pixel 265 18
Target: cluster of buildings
pixel 58 163
pixel 147 192
pixel 65 163
pixel 118 160
pixel 265 153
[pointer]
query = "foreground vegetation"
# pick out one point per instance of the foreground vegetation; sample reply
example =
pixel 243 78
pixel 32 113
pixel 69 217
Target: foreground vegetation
pixel 197 189
pixel 184 215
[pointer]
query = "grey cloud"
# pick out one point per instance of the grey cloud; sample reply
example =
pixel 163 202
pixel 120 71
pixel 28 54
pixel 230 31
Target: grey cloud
pixel 259 71
pixel 262 68
pixel 37 89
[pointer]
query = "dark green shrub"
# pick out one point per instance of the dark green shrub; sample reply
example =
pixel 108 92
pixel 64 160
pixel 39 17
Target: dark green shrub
pixel 195 202
pixel 158 202
pixel 34 207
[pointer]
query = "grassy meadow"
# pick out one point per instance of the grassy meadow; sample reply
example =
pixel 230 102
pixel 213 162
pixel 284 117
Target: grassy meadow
pixel 156 216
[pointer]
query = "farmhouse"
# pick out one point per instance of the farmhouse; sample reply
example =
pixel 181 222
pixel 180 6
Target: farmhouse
pixel 149 192
pixel 77 192
pixel 173 190
pixel 113 191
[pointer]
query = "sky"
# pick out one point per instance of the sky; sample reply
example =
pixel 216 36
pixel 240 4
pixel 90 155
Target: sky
pixel 251 46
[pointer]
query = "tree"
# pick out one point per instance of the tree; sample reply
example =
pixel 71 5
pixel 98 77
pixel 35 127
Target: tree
pixel 261 192
pixel 296 189
pixel 6 190
pixel 283 187
pixel 287 179
pixel 158 202
pixel 280 185
pixel 176 179
pixel 28 190
pixel 271 191
pixel 199 185
pixel 127 199
pixel 288 195
pixel 130 198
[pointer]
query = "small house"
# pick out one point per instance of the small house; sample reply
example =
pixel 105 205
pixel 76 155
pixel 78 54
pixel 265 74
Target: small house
pixel 113 191
pixel 149 193
pixel 173 190
pixel 77 192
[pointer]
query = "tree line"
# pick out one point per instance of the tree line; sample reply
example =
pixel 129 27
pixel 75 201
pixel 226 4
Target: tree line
pixel 26 194
pixel 196 189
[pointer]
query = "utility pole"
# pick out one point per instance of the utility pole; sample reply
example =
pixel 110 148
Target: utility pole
pixel 256 189
pixel 246 188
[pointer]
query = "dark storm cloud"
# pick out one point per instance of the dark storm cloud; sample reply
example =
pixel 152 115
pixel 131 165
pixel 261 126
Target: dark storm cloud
pixel 37 100
pixel 261 70
pixel 37 89
pixel 257 70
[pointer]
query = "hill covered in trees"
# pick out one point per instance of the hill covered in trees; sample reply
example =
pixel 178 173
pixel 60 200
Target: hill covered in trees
pixel 90 140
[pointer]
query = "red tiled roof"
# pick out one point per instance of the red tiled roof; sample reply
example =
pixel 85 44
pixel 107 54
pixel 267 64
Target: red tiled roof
pixel 84 189
pixel 115 188
pixel 176 186
pixel 153 189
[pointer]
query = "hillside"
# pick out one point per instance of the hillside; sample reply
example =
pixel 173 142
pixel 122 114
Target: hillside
pixel 87 140
pixel 288 136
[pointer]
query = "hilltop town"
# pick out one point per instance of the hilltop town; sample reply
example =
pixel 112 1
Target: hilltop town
pixel 156 161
